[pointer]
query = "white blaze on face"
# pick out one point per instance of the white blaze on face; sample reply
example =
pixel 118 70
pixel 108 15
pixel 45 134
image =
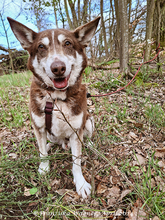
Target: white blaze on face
pixel 53 38
pixel 45 41
pixel 61 38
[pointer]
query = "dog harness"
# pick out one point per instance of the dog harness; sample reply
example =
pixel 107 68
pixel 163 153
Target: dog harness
pixel 48 115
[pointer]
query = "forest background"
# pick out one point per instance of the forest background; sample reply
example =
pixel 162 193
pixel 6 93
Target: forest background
pixel 125 162
pixel 127 27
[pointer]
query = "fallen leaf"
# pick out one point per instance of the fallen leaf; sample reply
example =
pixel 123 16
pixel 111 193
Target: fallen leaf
pixel 161 164
pixel 27 192
pixel 136 214
pixel 161 150
pixel 55 182
pixel 69 195
pixel 139 159
pixel 101 188
pixel 112 192
pixel 111 201
pixel 124 193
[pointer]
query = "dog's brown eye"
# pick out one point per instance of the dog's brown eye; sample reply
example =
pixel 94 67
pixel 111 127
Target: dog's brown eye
pixel 41 46
pixel 68 44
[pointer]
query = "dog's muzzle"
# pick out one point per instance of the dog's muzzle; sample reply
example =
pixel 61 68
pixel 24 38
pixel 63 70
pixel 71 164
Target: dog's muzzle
pixel 58 68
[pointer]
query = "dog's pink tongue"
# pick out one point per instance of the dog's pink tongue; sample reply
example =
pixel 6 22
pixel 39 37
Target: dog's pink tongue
pixel 60 83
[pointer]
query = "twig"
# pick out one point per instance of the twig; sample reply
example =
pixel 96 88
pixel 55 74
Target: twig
pixel 90 146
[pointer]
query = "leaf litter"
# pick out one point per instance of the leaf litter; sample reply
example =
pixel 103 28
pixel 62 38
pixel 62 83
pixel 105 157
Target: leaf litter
pixel 126 135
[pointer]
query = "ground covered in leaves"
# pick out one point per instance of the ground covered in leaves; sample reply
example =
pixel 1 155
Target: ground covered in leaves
pixel 125 162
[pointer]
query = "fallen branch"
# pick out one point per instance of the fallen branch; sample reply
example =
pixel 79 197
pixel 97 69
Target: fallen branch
pixel 4 49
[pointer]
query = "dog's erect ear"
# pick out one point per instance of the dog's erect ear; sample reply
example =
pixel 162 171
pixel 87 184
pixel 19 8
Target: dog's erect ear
pixel 24 34
pixel 85 33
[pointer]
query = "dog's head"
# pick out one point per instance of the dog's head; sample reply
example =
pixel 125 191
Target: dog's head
pixel 57 56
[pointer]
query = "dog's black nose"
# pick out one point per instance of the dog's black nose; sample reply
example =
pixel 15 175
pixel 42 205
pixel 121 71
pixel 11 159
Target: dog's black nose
pixel 58 68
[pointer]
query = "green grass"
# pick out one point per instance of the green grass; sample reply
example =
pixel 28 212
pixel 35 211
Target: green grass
pixel 15 80
pixel 14 99
pixel 105 84
pixel 152 196
pixel 155 115
pixel 108 63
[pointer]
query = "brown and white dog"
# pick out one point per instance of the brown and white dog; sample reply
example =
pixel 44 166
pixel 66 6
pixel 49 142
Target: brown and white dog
pixel 57 60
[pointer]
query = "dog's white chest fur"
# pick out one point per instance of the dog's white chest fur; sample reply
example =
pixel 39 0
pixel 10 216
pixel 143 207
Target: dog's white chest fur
pixel 63 127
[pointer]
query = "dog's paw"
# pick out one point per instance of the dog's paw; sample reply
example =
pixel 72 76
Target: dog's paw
pixel 44 167
pixel 83 188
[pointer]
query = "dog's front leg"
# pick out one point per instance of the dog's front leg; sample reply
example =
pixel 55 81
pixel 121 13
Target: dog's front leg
pixel 41 140
pixel 82 187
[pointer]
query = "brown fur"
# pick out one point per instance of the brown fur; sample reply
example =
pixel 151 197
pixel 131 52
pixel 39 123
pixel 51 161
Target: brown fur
pixel 57 60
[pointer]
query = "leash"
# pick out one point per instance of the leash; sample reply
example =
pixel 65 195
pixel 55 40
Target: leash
pixel 49 105
pixel 110 93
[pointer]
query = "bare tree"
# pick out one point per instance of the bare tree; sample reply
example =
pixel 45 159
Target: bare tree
pixel 39 14
pixel 55 4
pixel 158 27
pixel 124 36
pixel 85 13
pixel 68 16
pixel 149 24
pixel 73 11
pixel 116 33
pixel 103 28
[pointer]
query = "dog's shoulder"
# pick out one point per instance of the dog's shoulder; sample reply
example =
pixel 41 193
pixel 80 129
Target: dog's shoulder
pixel 37 98
pixel 76 98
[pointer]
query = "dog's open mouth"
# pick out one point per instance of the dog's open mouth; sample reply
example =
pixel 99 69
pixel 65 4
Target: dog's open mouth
pixel 61 83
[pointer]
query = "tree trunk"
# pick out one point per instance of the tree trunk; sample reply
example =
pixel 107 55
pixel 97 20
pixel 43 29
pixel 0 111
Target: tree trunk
pixel 124 37
pixel 111 25
pixel 55 12
pixel 149 24
pixel 68 17
pixel 72 7
pixel 129 16
pixel 79 13
pixel 103 28
pixel 84 18
pixel 116 33
pixel 158 29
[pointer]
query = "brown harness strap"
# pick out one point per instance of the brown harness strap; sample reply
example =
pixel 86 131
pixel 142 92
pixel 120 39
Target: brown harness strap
pixel 48 115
